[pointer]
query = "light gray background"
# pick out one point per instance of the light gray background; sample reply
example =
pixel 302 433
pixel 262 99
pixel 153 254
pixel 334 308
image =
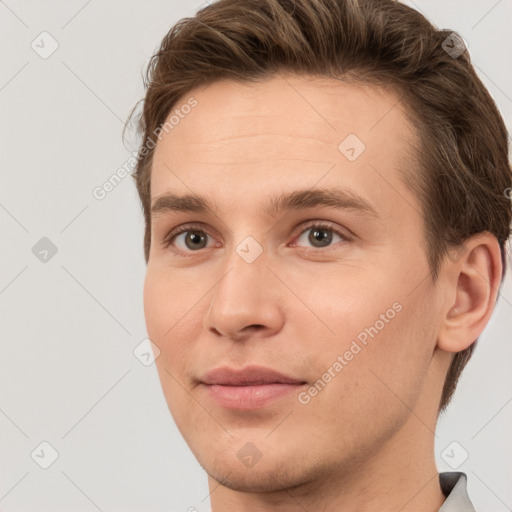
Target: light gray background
pixel 68 375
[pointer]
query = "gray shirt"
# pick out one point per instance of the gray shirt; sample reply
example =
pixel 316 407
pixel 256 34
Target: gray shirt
pixel 453 484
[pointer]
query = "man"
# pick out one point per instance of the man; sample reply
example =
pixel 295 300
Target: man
pixel 324 184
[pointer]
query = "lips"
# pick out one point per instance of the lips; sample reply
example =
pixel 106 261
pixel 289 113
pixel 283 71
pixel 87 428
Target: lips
pixel 250 388
pixel 249 376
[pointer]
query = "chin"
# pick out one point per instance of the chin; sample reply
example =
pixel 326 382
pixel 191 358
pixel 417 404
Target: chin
pixel 256 479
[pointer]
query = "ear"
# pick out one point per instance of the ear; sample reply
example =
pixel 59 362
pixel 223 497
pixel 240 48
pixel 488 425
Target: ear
pixel 472 280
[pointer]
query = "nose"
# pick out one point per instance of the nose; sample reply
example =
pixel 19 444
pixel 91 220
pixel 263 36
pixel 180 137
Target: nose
pixel 246 302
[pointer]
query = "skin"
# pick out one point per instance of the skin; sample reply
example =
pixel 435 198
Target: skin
pixel 366 441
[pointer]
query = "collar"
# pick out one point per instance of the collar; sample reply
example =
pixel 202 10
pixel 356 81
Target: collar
pixel 454 487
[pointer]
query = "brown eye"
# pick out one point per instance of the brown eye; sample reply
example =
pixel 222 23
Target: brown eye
pixel 187 239
pixel 320 235
pixel 195 239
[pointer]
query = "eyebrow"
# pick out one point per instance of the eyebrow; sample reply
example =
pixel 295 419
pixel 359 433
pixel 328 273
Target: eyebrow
pixel 340 199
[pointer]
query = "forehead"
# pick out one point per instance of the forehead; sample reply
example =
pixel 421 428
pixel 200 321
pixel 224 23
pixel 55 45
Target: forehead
pixel 284 130
pixel 331 102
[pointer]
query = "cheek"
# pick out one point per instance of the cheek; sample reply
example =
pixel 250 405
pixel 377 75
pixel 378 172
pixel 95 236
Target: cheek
pixel 155 306
pixel 396 358
pixel 168 299
pixel 168 311
pixel 384 334
pixel 345 303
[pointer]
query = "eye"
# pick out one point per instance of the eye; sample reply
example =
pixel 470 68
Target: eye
pixel 191 238
pixel 187 238
pixel 321 234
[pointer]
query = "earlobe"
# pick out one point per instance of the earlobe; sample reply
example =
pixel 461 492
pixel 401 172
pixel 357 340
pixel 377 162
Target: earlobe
pixel 473 281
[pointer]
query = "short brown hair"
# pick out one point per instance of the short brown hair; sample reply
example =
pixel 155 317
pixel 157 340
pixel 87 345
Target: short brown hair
pixel 464 172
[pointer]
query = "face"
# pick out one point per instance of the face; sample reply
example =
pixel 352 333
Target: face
pixel 330 290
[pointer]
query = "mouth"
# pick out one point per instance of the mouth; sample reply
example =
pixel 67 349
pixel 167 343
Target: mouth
pixel 249 388
pixel 249 396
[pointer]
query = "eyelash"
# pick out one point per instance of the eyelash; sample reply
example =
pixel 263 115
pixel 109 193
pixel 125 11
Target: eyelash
pixel 196 227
